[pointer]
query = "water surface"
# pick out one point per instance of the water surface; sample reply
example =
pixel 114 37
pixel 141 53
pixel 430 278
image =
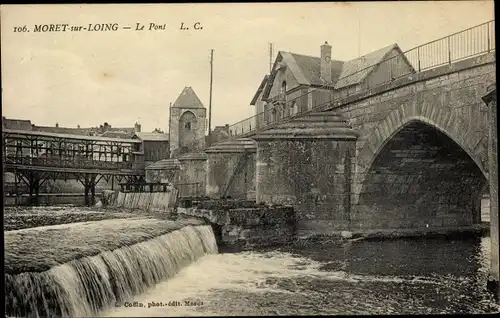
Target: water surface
pixel 425 276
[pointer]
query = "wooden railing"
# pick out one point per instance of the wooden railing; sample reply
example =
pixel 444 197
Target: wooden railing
pixel 64 162
pixel 145 187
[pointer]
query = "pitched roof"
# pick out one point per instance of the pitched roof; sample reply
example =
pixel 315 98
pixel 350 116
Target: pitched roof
pixel 165 164
pixel 309 66
pixel 306 69
pixel 69 136
pixel 130 130
pixel 17 124
pixel 188 99
pixel 66 130
pixel 259 90
pixel 151 136
pixel 356 70
pixel 117 134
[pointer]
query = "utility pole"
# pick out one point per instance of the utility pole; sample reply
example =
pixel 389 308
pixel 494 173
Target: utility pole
pixel 270 57
pixel 169 130
pixel 210 101
pixel 359 32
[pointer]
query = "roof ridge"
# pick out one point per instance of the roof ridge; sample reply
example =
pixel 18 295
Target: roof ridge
pixel 315 57
pixel 188 99
pixel 375 51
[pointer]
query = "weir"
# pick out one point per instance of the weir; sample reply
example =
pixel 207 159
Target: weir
pixel 83 287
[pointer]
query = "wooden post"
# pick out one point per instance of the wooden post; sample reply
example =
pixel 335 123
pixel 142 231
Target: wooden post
pixel 92 191
pixel 16 201
pixel 32 188
pixel 37 191
pixel 87 189
pixel 86 194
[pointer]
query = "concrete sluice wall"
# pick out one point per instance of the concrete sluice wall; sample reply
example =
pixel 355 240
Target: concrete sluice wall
pixel 146 201
pixel 88 272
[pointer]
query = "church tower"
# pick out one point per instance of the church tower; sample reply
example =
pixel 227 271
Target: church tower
pixel 187 121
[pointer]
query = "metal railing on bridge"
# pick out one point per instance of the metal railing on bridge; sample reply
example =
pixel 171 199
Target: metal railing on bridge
pixel 458 46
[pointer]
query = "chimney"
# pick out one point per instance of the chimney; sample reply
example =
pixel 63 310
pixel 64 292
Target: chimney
pixel 326 64
pixel 137 127
pixel 57 125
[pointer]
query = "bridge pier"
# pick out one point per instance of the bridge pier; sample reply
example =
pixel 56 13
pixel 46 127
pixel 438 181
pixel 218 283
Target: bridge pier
pixel 307 163
pixel 491 100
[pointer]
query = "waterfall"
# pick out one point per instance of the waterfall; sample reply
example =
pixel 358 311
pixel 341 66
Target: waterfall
pixel 83 287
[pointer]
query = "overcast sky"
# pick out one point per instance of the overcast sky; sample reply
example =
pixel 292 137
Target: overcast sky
pixel 87 78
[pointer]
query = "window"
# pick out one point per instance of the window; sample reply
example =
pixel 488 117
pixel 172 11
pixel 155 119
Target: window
pixel 283 87
pixel 187 126
pixel 273 115
pixel 294 109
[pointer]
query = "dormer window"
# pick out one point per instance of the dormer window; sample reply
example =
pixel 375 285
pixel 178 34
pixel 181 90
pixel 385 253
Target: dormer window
pixel 283 87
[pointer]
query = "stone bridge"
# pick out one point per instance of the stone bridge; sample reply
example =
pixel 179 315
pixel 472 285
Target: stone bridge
pixel 410 153
pixel 422 151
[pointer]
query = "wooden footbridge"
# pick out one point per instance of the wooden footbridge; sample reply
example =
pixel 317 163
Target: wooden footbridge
pixel 35 157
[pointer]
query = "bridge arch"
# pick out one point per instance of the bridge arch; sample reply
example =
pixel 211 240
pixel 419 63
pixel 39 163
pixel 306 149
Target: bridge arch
pixel 441 118
pixel 415 170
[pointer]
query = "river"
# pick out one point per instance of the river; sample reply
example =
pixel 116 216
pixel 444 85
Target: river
pixel 426 276
pixel 405 276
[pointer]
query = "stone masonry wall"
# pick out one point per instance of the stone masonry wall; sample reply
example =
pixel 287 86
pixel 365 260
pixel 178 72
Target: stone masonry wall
pixel 313 176
pixel 194 171
pixel 221 167
pixel 260 225
pixel 163 175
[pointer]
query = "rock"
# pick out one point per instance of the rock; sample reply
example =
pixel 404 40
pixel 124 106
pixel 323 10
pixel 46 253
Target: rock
pixel 346 234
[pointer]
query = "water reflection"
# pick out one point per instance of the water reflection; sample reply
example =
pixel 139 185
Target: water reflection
pixel 400 257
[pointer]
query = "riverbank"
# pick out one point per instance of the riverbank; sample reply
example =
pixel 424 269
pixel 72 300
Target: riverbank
pixel 388 234
pixel 473 231
pixel 46 199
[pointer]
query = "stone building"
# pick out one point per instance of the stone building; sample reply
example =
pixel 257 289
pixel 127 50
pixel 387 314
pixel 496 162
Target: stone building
pixel 219 133
pixel 155 146
pixel 187 121
pixel 299 82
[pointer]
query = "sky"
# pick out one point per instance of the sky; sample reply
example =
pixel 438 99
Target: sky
pixel 87 78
